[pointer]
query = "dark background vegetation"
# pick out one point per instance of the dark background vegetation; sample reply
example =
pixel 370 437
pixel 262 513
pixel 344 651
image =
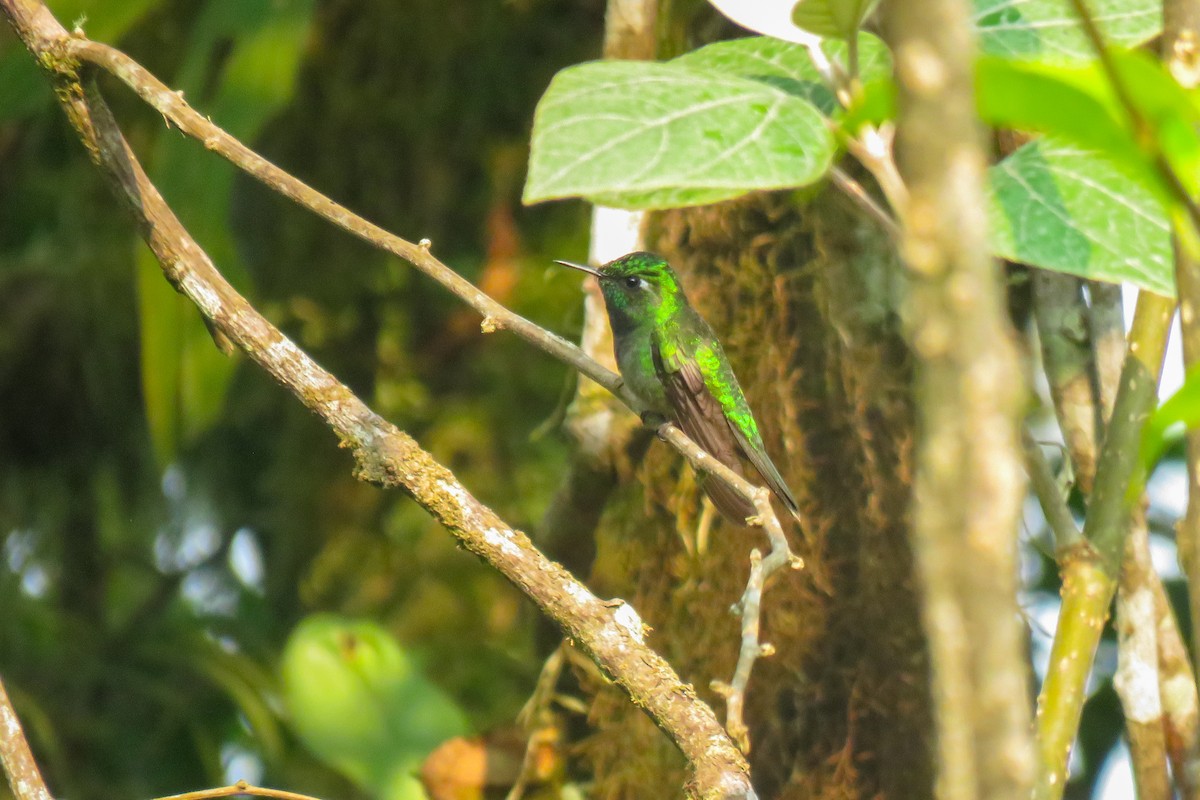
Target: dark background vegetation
pixel 154 565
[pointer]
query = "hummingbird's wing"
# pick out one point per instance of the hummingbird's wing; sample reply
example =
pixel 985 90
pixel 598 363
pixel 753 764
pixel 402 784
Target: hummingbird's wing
pixel 701 417
pixel 693 392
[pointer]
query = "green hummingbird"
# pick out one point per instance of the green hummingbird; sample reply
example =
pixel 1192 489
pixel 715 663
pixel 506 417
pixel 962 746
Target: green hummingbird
pixel 673 363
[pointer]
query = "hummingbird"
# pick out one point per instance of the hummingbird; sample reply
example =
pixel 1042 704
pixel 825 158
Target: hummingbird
pixel 673 363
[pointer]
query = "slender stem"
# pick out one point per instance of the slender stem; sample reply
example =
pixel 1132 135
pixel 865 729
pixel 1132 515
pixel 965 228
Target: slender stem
pixel 1087 592
pixel 1054 505
pixel 855 191
pixel 1118 486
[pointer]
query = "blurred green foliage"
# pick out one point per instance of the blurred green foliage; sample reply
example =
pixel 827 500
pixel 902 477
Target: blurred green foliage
pixel 154 565
pixel 357 702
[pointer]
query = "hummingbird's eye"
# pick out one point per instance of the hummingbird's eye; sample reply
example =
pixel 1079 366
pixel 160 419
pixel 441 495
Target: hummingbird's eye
pixel 633 281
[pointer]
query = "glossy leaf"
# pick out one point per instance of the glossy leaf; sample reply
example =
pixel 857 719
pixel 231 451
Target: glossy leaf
pixel 358 703
pixel 837 19
pixel 649 135
pixel 184 376
pixel 1059 207
pixel 1051 29
pixel 788 66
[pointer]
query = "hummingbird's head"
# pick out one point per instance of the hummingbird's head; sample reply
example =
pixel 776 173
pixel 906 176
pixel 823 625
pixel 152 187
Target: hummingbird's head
pixel 638 287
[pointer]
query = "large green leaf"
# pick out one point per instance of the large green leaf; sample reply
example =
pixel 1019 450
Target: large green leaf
pixel 787 66
pixel 360 705
pixel 1049 28
pixel 1059 207
pixel 649 135
pixel 252 49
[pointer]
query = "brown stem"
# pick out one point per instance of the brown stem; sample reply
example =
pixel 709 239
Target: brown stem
pixel 968 487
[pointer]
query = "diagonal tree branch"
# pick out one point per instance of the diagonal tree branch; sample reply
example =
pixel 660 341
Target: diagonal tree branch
pixel 611 634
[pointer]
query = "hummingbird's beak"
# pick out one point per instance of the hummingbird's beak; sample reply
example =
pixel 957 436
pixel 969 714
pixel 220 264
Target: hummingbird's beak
pixel 580 267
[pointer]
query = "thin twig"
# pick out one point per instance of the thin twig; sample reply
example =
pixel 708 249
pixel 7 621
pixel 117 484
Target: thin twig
pixel 760 570
pixel 873 148
pixel 855 191
pixel 1054 505
pixel 24 777
pixel 1069 361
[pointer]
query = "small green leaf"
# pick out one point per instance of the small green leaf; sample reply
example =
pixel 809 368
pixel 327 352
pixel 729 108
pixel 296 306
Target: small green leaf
pixel 1181 408
pixel 836 19
pixel 649 135
pixel 1051 29
pixel 359 704
pixel 787 66
pixel 1059 207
